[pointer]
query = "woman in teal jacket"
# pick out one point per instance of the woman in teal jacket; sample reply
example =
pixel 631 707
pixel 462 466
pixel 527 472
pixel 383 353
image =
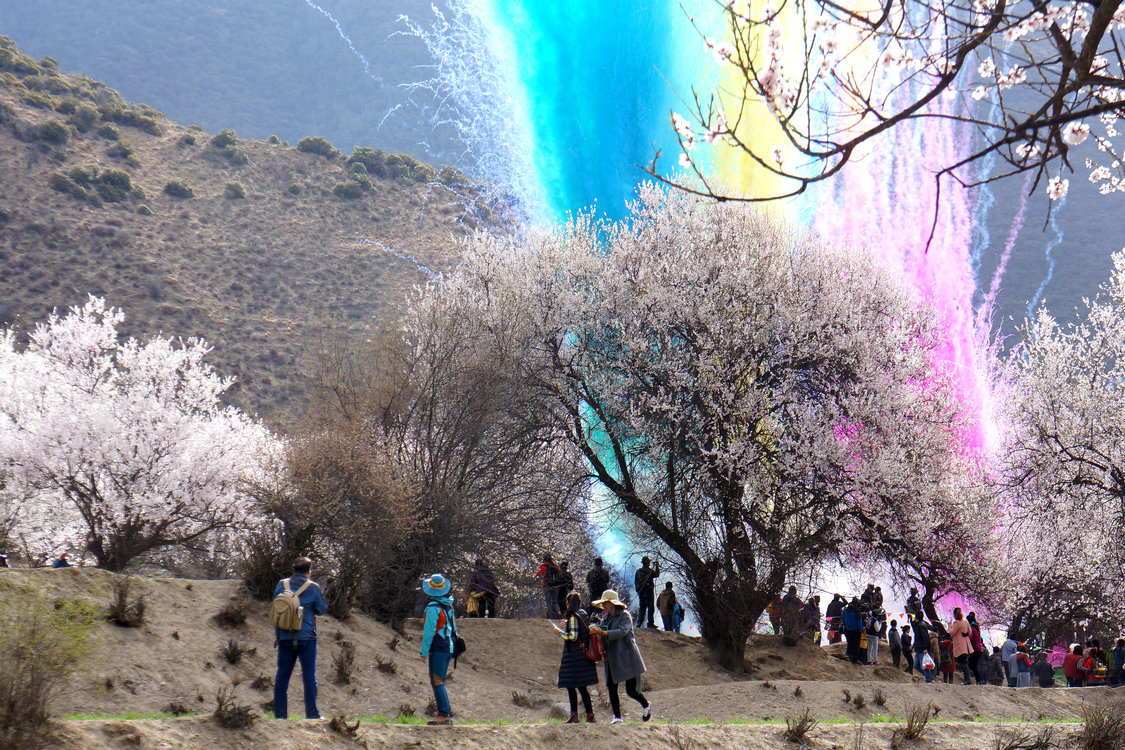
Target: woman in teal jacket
pixel 438 628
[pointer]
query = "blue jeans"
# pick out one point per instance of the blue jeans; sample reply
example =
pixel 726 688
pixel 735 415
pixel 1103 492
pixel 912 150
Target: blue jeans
pixel 929 673
pixel 287 657
pixel 439 666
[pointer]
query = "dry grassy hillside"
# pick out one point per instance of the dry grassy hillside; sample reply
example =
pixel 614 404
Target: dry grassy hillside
pixel 259 276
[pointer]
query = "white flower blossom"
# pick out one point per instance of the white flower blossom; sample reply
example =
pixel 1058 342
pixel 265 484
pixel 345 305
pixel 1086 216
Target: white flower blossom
pixel 1057 187
pixel 1075 133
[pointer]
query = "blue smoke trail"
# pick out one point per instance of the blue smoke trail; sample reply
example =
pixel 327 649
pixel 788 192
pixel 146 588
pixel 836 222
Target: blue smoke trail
pixel 1050 258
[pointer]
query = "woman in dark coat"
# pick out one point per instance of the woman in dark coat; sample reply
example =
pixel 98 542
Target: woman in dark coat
pixel 576 672
pixel 623 662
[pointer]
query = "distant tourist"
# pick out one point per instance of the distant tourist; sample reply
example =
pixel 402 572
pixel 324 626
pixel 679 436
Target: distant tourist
pixel 295 635
pixel 1119 661
pixel 853 628
pixel 565 583
pixel 623 662
pixel 597 580
pixel 894 640
pixel 995 668
pixel 978 664
pixel 921 639
pixel 1023 666
pixel 645 584
pixel 4 561
pixel 548 575
pixel 1043 671
pixel 927 665
pixel 61 561
pixel 907 649
pixel 810 615
pixel 913 606
pixel 961 634
pixel 482 585
pixel 1072 667
pixel 873 626
pixel 576 672
pixel 834 618
pixel 1007 653
pixel 438 628
pixel 791 612
pixel 666 603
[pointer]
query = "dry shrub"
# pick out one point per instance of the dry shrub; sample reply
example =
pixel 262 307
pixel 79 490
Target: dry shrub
pixel 386 666
pixel 229 713
pixel 232 614
pixel 123 611
pixel 797 728
pixel 524 700
pixel 1103 727
pixel 41 644
pixel 859 702
pixel 879 698
pixel 915 724
pixel 343 661
pixel 262 682
pixel 175 708
pixel 233 651
pixel 339 724
pixel 1024 738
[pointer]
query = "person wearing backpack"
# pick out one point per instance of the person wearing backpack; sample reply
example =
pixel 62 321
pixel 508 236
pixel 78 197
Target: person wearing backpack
pixel 597 580
pixel 548 575
pixel 296 603
pixel 576 671
pixel 439 629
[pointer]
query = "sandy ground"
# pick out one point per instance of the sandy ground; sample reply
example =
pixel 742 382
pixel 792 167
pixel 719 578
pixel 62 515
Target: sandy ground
pixel 508 675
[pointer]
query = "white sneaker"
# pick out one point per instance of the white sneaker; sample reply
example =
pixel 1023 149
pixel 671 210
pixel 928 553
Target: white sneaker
pixel 648 712
pixel 617 720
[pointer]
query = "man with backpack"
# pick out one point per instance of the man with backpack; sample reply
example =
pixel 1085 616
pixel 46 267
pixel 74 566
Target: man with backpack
pixel 296 603
pixel 548 575
pixel 597 580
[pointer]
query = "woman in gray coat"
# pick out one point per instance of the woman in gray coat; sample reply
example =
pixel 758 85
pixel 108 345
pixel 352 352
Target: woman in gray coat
pixel 623 662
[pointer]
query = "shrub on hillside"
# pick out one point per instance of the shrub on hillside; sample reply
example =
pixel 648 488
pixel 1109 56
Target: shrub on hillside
pixel 273 139
pixel 41 644
pixel 234 190
pixel 225 137
pixel 64 184
pixel 123 150
pixel 187 139
pixel 109 132
pixel 234 155
pixel 83 118
pixel 373 160
pixel 124 610
pixel 318 145
pixel 53 131
pixel 178 189
pixel 349 190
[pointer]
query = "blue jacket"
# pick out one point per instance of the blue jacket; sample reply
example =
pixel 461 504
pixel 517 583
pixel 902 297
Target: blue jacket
pixel 313 602
pixel 438 625
pixel 852 620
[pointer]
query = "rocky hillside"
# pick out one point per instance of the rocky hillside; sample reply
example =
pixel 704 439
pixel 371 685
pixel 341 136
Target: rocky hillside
pixel 257 246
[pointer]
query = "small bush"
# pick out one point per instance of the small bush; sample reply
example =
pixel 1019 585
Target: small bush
pixel 113 185
pixel 339 724
pixel 859 702
pixel 123 150
pixel 524 700
pixel 262 682
pixel 318 145
pixel 64 184
pixel 234 190
pixel 293 189
pixel 915 725
pixel 229 714
pixel 175 708
pixel 53 131
pixel 83 118
pixel 41 644
pixel 878 698
pixel 178 189
pixel 1103 727
pixel 386 666
pixel 233 651
pixel 373 160
pixel 234 155
pixel 232 614
pixel 224 138
pixel 797 728
pixel 187 139
pixel 123 611
pixel 343 661
pixel 1026 739
pixel 274 140
pixel 349 190
pixel 109 132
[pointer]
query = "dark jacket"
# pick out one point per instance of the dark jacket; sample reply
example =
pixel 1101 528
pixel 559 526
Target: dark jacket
pixel 835 609
pixel 852 620
pixel 313 602
pixel 483 580
pixel 623 658
pixel 576 670
pixel 597 581
pixel 1044 673
pixel 643 580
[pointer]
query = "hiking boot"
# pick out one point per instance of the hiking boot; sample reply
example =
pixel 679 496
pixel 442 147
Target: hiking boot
pixel 648 712
pixel 590 719
pixel 440 721
pixel 573 718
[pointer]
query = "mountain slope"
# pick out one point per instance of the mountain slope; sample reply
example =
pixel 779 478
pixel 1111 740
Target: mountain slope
pixel 83 210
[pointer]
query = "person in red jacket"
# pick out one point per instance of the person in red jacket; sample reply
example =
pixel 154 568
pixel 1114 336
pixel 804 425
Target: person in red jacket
pixel 548 575
pixel 1072 667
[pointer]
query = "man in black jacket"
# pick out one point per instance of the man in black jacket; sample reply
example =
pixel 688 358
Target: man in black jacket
pixel 597 580
pixel 645 582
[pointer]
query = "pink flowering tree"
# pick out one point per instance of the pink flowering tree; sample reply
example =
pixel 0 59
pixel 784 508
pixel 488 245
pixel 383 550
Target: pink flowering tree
pixel 746 399
pixel 1029 79
pixel 121 445
pixel 1066 468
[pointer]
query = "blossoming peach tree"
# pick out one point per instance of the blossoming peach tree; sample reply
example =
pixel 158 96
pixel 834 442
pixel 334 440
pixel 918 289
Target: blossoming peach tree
pixel 1029 79
pixel 746 398
pixel 118 447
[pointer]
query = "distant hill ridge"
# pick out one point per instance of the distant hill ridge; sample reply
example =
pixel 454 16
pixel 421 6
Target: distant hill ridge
pixel 254 245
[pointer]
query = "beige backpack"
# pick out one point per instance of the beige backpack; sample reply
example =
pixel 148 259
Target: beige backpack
pixel 286 612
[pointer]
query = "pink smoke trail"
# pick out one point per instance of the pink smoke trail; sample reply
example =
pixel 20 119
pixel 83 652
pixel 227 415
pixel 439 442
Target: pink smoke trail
pixel 1013 234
